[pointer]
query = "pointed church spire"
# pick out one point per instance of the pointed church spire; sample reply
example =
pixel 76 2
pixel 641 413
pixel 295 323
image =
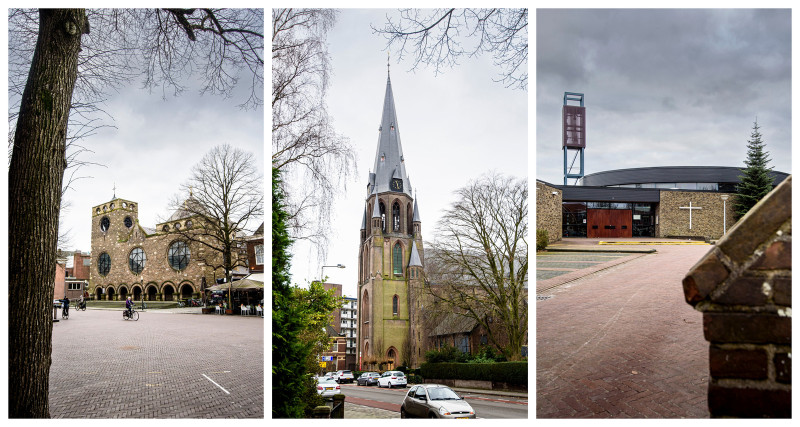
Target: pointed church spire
pixel 364 219
pixel 389 160
pixel 416 212
pixel 415 260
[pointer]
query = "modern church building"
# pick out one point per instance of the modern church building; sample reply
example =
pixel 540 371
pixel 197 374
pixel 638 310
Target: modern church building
pixel 666 201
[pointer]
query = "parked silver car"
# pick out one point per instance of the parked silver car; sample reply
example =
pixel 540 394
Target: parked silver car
pixel 368 378
pixel 434 401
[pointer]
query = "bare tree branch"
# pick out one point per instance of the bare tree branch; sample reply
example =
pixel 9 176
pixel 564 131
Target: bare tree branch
pixel 316 162
pixel 437 38
pixel 478 264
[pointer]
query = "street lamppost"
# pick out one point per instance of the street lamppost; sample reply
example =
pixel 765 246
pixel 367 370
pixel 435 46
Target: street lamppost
pixel 322 271
pixel 724 198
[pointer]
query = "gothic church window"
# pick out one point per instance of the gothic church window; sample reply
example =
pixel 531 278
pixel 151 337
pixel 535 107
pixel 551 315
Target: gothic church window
pixel 409 218
pixel 104 264
pixel 395 304
pixel 383 217
pixel 397 259
pixel 136 260
pixel 104 224
pixel 396 217
pixel 178 255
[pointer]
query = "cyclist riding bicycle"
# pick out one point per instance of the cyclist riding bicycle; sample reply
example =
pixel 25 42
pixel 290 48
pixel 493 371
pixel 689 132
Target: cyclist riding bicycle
pixel 65 311
pixel 129 306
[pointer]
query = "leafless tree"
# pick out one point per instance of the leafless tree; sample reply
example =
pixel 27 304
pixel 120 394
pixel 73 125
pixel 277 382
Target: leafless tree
pixel 62 62
pixel 477 265
pixel 226 203
pixel 315 161
pixel 440 38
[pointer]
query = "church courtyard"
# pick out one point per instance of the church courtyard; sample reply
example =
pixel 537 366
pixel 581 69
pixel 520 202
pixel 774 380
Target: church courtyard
pixel 615 337
pixel 165 365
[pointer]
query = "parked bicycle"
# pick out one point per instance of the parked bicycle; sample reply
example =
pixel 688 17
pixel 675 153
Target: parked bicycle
pixel 133 315
pixel 181 304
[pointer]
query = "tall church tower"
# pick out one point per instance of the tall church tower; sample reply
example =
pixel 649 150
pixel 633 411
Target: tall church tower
pixel 390 256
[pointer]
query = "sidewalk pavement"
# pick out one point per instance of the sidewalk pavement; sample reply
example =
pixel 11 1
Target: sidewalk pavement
pixel 352 410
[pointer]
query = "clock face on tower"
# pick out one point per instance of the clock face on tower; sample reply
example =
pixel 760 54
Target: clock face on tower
pixel 397 184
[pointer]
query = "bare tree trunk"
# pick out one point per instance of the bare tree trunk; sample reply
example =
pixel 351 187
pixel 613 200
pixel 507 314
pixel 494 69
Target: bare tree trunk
pixel 34 180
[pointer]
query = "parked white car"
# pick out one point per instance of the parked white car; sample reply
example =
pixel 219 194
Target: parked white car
pixel 392 378
pixel 328 387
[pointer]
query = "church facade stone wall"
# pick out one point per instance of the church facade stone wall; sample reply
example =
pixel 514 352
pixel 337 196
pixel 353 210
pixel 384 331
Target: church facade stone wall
pixel 706 223
pixel 116 232
pixel 548 211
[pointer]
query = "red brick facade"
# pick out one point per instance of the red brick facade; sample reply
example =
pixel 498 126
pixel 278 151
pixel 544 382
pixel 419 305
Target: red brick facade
pixel 743 287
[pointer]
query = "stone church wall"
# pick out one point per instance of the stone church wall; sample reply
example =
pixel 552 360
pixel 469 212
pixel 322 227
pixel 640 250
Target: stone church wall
pixel 119 240
pixel 548 211
pixel 707 223
pixel 743 287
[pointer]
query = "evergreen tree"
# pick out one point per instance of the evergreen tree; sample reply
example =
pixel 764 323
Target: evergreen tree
pixel 756 181
pixel 288 361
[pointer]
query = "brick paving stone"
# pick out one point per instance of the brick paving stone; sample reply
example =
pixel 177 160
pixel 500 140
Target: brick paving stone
pixel 106 367
pixel 601 327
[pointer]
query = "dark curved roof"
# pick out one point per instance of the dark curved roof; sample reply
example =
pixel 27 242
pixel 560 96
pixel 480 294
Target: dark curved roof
pixel 670 174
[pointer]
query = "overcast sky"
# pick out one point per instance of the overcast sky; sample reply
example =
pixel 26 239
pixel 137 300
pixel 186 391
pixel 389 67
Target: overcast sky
pixel 664 87
pixel 455 127
pixel 151 151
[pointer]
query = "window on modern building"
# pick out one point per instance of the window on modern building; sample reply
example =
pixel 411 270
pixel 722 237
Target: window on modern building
pixel 396 217
pixel 259 249
pixel 136 260
pixel 395 304
pixel 397 259
pixel 104 264
pixel 178 255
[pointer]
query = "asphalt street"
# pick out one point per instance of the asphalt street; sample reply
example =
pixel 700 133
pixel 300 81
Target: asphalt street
pixel 485 405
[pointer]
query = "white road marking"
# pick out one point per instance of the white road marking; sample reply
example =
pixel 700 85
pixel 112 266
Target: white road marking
pixel 212 381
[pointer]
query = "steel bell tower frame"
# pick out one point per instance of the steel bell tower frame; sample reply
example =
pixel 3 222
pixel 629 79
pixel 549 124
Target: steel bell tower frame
pixel 573 119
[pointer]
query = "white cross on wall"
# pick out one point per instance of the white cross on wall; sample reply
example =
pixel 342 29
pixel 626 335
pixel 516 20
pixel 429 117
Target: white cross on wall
pixel 690 212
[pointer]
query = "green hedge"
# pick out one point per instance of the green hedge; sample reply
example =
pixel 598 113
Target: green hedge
pixel 507 372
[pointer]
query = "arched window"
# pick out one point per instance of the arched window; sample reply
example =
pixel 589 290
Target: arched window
pixel 383 217
pixel 178 255
pixel 104 264
pixel 397 259
pixel 104 223
pixel 409 219
pixel 395 304
pixel 396 217
pixel 136 260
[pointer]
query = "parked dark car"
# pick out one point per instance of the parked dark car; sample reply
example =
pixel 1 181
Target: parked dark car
pixel 368 378
pixel 434 401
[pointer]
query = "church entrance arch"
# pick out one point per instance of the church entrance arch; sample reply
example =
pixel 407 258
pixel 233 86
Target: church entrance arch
pixel 110 293
pixel 186 291
pixel 169 292
pixel 137 292
pixel 391 358
pixel 123 293
pixel 98 293
pixel 151 292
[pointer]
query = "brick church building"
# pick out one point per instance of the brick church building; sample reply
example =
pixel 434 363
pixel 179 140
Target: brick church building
pixel 391 256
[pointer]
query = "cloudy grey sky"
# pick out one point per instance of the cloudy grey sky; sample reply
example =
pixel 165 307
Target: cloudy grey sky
pixel 151 151
pixel 455 127
pixel 664 87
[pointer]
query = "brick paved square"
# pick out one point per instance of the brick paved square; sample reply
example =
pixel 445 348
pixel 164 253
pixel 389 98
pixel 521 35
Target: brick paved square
pixel 622 342
pixel 161 366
